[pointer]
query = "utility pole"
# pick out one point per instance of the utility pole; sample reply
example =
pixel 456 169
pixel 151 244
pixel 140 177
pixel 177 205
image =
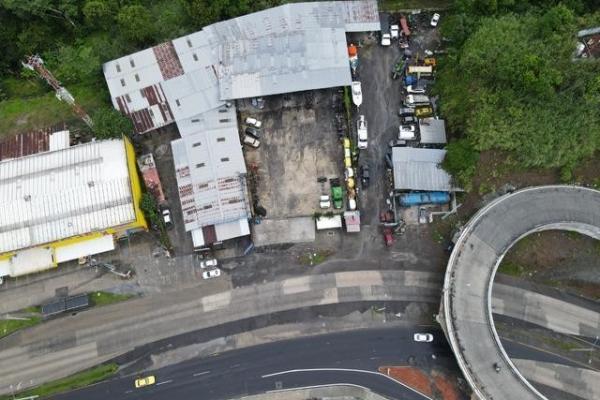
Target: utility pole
pixel 35 63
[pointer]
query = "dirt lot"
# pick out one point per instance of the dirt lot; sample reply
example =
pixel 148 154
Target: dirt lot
pixel 299 143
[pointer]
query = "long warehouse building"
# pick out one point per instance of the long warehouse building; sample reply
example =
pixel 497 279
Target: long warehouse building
pixel 66 203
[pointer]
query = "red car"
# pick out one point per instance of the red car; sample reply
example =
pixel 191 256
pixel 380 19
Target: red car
pixel 387 236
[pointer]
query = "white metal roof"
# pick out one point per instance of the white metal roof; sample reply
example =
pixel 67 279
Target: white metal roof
pixel 293 47
pixel 210 170
pixel 55 195
pixel 432 131
pixel 193 93
pixel 420 169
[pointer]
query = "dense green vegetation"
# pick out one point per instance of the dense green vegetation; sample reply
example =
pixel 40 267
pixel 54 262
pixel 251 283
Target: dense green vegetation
pixel 69 383
pixel 509 83
pixel 75 37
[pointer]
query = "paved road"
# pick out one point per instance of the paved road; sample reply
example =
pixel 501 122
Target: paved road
pixel 241 372
pixel 467 307
pixel 292 363
pixel 66 345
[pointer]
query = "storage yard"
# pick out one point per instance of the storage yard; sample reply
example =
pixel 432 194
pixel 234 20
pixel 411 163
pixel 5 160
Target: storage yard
pixel 346 137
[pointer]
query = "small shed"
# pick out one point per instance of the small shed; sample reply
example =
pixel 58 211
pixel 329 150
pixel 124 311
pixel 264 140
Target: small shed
pixel 432 131
pixel 417 169
pixel 352 220
pixel 333 222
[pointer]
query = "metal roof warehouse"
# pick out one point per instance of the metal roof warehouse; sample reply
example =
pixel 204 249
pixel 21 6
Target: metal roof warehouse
pixel 60 205
pixel 293 47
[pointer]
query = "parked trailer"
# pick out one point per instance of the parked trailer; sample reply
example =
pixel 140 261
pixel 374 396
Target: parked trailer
pixel 416 199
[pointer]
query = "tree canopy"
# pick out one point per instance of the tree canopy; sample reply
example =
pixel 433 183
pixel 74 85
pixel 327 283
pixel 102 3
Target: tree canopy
pixel 509 82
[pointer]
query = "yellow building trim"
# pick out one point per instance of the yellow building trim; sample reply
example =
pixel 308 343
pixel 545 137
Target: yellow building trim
pixel 7 256
pixel 136 187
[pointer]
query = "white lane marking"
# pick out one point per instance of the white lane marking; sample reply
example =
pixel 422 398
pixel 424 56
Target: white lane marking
pixel 362 371
pixel 129 391
pixel 163 382
pixel 316 387
pixel 201 373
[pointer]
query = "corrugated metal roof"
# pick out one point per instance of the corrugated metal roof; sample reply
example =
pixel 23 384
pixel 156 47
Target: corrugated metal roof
pixel 293 47
pixel 288 62
pixel 210 172
pixel 420 169
pixel 432 131
pixel 193 93
pixel 222 117
pixel 29 143
pixel 60 194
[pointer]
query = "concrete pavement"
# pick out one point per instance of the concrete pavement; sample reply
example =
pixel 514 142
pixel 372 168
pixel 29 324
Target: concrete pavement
pixel 579 382
pixel 48 350
pixel 467 307
pixel 64 346
pixel 545 311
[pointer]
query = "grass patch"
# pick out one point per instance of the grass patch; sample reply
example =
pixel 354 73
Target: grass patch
pixel 559 344
pixel 396 5
pixel 27 113
pixel 512 269
pixel 314 257
pixel 79 380
pixel 98 299
pixel 8 326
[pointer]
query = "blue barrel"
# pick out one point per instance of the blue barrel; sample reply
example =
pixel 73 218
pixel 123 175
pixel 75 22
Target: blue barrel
pixel 415 199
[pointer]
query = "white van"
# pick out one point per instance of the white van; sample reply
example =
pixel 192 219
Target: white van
pixel 413 100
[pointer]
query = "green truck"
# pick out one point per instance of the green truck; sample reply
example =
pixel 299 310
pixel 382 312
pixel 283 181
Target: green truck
pixel 336 193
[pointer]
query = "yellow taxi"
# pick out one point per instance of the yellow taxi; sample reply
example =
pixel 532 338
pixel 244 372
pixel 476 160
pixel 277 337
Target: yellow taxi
pixel 141 382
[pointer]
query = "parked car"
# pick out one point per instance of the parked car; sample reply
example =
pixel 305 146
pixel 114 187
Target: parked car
pixel 365 176
pixel 405 111
pixel 141 382
pixel 211 262
pixel 356 93
pixel 361 127
pixel 258 102
pixel 407 132
pixel 435 19
pixel 388 237
pixel 254 122
pixel 395 31
pixel 324 201
pixel 213 273
pixel 251 141
pixel 413 100
pixel 409 120
pixel 423 337
pixel 415 89
pixel 166 216
pixel 252 132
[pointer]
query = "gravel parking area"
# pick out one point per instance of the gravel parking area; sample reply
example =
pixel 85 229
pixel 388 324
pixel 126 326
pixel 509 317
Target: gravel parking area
pixel 299 144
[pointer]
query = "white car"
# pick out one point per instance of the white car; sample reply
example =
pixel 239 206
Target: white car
pixel 435 19
pixel 361 127
pixel 254 122
pixel 251 141
pixel 415 90
pixel 356 93
pixel 423 337
pixel 212 262
pixel 166 216
pixel 395 31
pixel 406 132
pixel 213 273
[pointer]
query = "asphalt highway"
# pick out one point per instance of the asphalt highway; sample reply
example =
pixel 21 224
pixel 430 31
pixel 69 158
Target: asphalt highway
pixel 349 357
